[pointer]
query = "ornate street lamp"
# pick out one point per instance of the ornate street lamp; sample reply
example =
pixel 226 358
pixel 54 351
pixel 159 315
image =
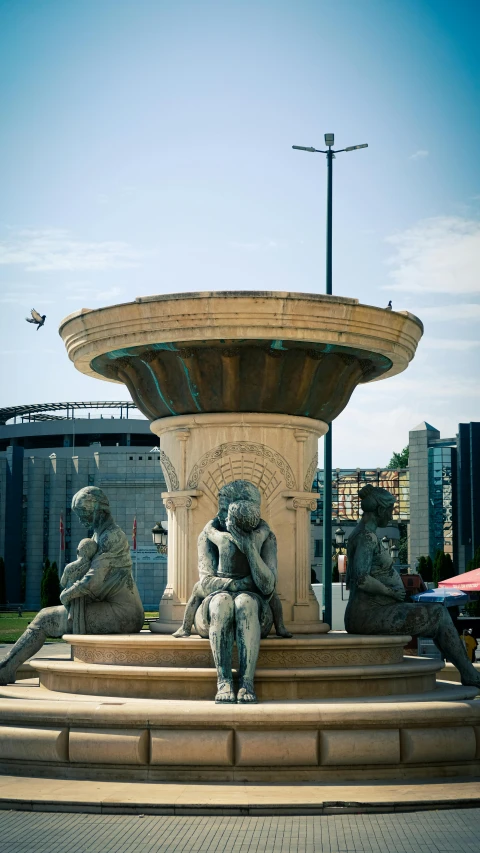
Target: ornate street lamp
pixel 394 552
pixel 160 537
pixel 339 537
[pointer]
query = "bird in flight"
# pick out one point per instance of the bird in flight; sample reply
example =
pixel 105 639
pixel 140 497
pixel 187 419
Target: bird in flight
pixel 37 318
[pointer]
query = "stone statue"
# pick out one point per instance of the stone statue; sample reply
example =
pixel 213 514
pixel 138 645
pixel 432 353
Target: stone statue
pixel 376 604
pixel 100 595
pixel 237 558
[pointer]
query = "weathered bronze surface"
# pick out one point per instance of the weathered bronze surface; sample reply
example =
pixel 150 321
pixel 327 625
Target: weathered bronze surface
pixel 282 377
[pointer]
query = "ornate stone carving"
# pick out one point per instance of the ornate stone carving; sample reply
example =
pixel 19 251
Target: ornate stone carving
pixel 169 471
pixel 268 658
pixel 241 447
pixel 302 503
pixel 310 475
pixel 173 502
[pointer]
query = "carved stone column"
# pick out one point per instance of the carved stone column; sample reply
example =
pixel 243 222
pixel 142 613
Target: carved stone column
pixel 180 541
pixel 305 608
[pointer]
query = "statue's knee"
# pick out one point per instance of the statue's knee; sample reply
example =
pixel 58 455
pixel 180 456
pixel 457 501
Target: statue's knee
pixel 221 606
pixel 246 605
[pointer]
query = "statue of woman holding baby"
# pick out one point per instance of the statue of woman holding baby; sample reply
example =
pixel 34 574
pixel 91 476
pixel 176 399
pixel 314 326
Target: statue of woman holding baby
pixel 100 595
pixel 235 597
pixel 376 604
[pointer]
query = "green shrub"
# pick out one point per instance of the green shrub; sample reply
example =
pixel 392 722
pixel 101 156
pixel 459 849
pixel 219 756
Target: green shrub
pixel 3 588
pixel 50 585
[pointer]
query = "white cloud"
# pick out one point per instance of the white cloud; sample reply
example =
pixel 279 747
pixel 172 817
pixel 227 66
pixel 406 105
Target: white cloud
pixel 255 246
pixel 81 292
pixel 457 311
pixel 419 155
pixel 438 255
pixel 459 344
pixel 56 250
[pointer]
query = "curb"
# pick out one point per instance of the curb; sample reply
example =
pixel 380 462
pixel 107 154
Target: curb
pixel 324 808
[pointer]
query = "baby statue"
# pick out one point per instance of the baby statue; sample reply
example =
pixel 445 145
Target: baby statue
pixel 243 517
pixel 86 550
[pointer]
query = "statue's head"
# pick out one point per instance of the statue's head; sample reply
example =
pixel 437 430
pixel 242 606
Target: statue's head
pixel 87 548
pixel 378 501
pixel 238 490
pixel 90 505
pixel 244 514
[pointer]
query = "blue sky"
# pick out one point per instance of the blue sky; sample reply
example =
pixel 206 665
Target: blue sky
pixel 146 148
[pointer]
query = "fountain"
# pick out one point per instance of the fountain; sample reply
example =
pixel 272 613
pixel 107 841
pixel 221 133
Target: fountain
pixel 240 385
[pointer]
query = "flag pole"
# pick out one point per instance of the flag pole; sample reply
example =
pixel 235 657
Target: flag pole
pixel 134 541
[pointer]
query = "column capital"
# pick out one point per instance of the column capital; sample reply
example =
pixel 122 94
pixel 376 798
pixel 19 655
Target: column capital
pixel 187 499
pixel 301 500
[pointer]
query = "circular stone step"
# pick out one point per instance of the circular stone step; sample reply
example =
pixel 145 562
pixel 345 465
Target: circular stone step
pixel 410 676
pixel 160 650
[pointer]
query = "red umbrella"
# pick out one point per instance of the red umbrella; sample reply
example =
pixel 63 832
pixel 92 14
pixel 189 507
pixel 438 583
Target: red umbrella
pixel 469 581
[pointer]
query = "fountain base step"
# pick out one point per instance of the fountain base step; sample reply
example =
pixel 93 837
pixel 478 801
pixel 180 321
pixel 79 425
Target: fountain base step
pixel 66 736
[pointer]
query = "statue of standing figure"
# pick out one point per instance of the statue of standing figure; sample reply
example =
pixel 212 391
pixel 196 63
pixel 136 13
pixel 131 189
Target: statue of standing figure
pixel 376 604
pixel 235 598
pixel 100 595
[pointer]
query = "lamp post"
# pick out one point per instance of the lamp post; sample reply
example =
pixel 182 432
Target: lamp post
pixel 327 461
pixel 160 538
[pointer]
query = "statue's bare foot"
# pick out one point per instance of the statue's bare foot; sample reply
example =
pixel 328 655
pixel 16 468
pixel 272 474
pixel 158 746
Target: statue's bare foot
pixel 182 632
pixel 282 632
pixel 246 695
pixel 225 694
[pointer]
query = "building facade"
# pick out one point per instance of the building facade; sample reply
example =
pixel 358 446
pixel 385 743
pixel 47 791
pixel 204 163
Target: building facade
pixel 445 493
pixel 45 457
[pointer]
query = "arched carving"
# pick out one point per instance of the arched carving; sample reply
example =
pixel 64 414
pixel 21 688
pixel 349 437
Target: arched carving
pixel 246 460
pixel 310 475
pixel 170 473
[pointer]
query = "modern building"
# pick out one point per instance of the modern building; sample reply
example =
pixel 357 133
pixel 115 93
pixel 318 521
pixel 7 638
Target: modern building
pixel 445 493
pixel 50 451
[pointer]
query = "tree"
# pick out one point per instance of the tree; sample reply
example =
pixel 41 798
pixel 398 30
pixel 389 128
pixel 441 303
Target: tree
pixel 50 585
pixel 474 563
pixel 3 588
pixel 443 567
pixel 399 460
pixel 425 568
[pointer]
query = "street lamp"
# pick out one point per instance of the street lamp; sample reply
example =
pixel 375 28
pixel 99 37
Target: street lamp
pixel 160 537
pixel 327 464
pixel 339 537
pixel 394 552
pixel 385 543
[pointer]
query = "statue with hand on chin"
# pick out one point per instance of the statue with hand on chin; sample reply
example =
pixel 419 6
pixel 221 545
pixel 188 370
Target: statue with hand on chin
pixel 235 597
pixel 377 596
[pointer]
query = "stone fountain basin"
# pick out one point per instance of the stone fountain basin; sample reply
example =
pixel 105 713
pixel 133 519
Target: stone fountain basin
pixel 276 352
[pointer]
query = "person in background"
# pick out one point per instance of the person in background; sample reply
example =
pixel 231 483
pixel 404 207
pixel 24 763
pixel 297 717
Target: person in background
pixel 470 644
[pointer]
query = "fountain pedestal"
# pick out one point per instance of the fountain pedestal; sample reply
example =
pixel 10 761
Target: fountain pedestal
pixel 241 385
pixel 278 453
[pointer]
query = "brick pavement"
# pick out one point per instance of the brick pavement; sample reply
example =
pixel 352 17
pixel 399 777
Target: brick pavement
pixel 452 831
